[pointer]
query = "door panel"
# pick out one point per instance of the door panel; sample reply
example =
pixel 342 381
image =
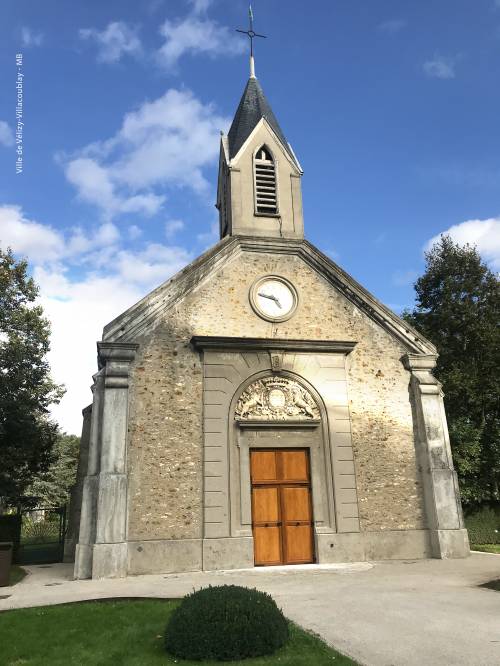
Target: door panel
pixel 267 545
pixel 281 506
pixel 296 504
pixel 294 466
pixel 263 466
pixel 298 544
pixel 265 504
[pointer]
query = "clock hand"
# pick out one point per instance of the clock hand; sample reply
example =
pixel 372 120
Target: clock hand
pixel 271 297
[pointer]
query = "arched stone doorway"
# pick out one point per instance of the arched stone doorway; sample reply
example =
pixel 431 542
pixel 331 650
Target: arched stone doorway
pixel 279 422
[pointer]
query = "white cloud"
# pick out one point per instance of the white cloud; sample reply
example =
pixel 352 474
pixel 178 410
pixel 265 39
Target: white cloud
pixel 108 280
pixel 440 67
pixel 79 309
pixel 392 26
pixel 484 234
pixel 151 266
pixel 94 185
pixel 195 35
pixel 115 41
pixel 6 134
pixel 27 237
pixel 30 38
pixel 165 142
pixel 42 243
pixel 92 181
pixel 172 227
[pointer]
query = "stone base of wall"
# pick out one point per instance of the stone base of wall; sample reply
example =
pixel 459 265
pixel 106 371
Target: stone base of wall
pixel 450 544
pixel 183 555
pixel 362 546
pixel 391 545
pixel 109 560
pixel 164 556
pixel 228 553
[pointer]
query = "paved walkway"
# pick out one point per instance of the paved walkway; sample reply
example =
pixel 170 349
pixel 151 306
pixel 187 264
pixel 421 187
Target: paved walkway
pixel 402 613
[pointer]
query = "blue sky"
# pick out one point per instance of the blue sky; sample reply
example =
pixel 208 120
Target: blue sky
pixel 392 108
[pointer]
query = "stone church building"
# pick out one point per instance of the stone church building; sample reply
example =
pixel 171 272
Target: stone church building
pixel 261 407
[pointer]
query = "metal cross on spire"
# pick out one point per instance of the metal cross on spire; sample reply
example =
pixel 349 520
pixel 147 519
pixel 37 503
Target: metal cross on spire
pixel 251 35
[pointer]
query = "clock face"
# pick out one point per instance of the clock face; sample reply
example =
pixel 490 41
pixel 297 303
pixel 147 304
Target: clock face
pixel 273 298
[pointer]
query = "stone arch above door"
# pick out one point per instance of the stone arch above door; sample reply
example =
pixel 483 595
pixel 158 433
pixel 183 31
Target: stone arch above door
pixel 276 398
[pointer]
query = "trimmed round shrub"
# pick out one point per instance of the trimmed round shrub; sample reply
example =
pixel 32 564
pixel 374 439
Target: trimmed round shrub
pixel 225 623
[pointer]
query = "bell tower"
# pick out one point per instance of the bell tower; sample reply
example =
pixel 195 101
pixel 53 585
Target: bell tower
pixel 259 190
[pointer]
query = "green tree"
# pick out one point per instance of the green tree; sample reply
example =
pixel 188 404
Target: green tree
pixel 458 309
pixel 53 486
pixel 27 435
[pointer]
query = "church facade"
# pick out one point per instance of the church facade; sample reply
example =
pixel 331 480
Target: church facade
pixel 261 407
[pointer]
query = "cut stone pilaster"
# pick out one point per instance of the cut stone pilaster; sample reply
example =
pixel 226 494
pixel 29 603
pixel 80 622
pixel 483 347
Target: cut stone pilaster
pixel 75 504
pixel 441 492
pixel 109 557
pixel 86 540
pixel 102 547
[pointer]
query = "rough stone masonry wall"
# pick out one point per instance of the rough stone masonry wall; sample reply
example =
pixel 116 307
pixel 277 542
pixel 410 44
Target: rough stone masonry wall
pixel 166 439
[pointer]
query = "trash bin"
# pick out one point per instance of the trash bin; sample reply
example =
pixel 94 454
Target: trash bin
pixel 5 562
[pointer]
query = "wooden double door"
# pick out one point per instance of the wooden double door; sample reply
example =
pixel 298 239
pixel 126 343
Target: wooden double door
pixel 282 521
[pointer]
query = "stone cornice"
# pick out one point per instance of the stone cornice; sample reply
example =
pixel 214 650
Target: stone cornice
pixel 221 343
pixel 116 351
pixel 114 358
pixel 419 361
pixel 291 423
pixel 421 367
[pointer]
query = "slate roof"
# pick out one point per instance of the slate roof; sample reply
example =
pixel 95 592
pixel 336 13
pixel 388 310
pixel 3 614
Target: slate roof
pixel 252 107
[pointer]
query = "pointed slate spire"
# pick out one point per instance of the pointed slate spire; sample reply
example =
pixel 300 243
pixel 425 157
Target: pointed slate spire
pixel 252 107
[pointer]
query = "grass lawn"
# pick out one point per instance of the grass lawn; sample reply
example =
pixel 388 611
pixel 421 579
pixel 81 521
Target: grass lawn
pixel 16 574
pixel 125 632
pixel 487 547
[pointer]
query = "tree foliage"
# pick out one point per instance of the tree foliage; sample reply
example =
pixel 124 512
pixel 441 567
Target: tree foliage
pixel 27 435
pixel 458 309
pixel 52 488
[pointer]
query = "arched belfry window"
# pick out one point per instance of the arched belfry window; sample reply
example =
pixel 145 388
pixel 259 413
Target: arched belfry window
pixel 266 197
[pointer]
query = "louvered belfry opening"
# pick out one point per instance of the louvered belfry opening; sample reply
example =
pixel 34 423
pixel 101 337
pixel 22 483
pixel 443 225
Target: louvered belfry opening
pixel 266 201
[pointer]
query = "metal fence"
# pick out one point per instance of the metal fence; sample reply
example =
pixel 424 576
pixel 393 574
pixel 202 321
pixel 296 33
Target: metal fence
pixel 42 535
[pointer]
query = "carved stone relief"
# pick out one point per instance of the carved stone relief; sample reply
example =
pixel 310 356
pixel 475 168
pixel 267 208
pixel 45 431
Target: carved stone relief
pixel 276 399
